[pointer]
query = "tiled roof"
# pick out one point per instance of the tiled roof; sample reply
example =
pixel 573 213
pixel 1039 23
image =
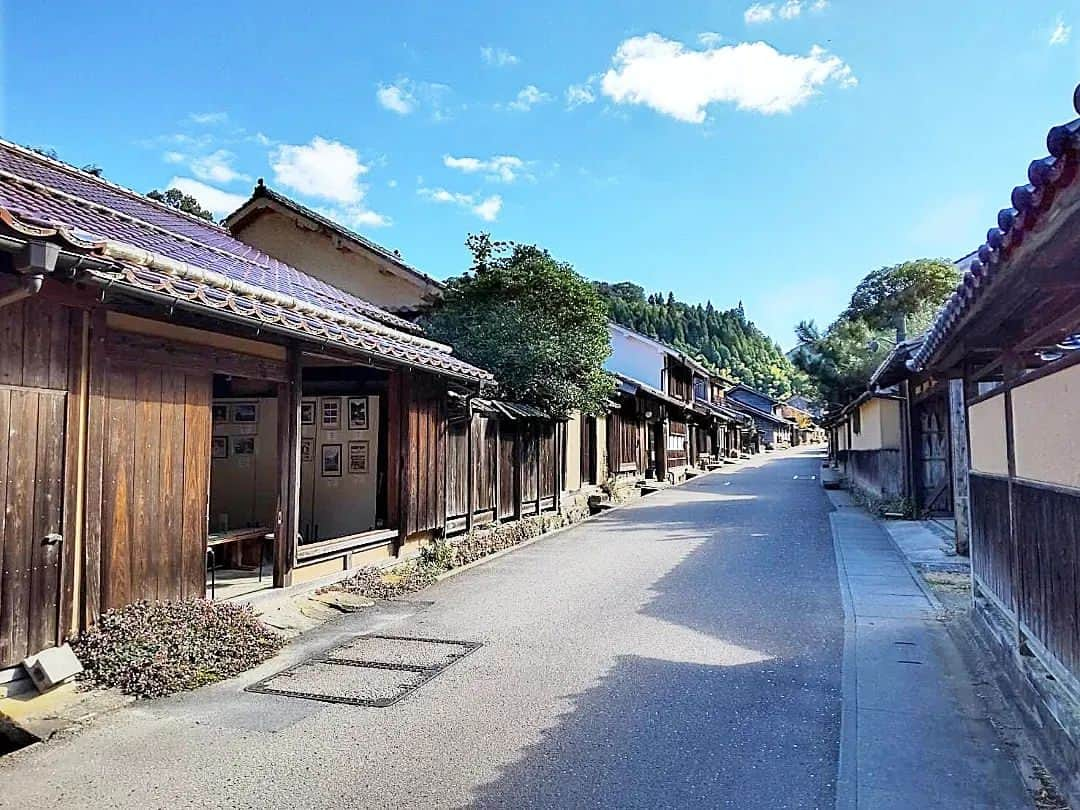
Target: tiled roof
pixel 263 191
pixel 158 249
pixel 990 263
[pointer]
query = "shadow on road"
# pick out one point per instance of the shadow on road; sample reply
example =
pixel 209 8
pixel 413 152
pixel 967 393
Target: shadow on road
pixel 743 709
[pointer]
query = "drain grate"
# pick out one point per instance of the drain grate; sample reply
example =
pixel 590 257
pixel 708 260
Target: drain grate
pixel 370 670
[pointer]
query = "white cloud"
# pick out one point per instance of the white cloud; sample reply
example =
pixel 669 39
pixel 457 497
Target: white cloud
pixel 217 201
pixel 1061 33
pixel 710 39
pixel 209 118
pixel 527 98
pixel 216 168
pixel 680 82
pixel 579 94
pixel 174 157
pixel 498 57
pixel 758 13
pixel 398 97
pixel 504 168
pixel 791 9
pixel 356 216
pixel 487 209
pixel 819 5
pixel 321 168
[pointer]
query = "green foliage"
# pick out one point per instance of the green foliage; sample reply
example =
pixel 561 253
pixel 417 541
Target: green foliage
pixel 842 359
pixel 723 340
pixel 49 152
pixel 150 649
pixel 175 198
pixel 532 321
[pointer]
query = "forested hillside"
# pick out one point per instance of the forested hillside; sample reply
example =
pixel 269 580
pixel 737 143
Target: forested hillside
pixel 724 338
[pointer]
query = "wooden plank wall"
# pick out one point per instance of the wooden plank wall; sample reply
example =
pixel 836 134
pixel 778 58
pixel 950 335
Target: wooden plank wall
pixel 155 468
pixel 423 449
pixel 457 461
pixel 626 440
pixel 508 480
pixel 485 439
pixel 548 478
pixel 992 558
pixel 40 362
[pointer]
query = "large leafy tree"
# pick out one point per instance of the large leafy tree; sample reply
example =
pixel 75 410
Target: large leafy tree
pixel 887 305
pixel 175 198
pixel 537 325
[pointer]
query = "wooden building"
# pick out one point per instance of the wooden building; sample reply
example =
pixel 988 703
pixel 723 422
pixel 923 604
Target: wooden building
pixel 147 355
pixel 774 431
pixel 1009 339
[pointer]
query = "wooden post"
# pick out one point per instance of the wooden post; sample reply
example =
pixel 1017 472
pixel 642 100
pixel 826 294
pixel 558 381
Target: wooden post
pixel 519 490
pixel 560 464
pixel 1011 369
pixel 498 466
pixel 288 510
pixel 961 464
pixel 470 474
pixel 536 434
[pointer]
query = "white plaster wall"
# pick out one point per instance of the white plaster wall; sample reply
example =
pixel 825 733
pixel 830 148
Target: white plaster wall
pixel 635 358
pixel 1046 428
pixel 986 431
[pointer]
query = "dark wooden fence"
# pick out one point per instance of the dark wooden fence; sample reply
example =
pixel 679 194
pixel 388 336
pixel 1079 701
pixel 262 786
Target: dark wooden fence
pixel 498 469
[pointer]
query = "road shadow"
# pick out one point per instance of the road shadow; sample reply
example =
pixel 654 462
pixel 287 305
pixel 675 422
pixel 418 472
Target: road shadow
pixel 691 729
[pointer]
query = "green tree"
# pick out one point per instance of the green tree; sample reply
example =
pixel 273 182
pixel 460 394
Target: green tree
pixel 902 291
pixel 175 198
pixel 532 321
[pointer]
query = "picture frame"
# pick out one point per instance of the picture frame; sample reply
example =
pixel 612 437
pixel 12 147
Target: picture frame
pixel 359 453
pixel 245 413
pixel 307 412
pixel 219 413
pixel 307 449
pixel 330 413
pixel 358 413
pixel 331 461
pixel 243 445
pixel 219 447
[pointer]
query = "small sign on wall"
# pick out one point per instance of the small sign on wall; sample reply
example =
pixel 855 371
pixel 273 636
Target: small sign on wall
pixel 245 413
pixel 307 448
pixel 331 413
pixel 358 413
pixel 358 457
pixel 307 412
pixel 219 447
pixel 331 460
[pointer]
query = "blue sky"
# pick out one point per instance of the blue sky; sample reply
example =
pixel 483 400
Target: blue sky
pixel 771 152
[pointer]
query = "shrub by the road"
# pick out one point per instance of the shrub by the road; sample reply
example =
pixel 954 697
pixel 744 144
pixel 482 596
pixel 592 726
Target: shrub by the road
pixel 151 649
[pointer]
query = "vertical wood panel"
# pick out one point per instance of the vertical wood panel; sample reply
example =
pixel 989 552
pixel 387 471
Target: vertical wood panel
pixel 94 506
pixel 43 606
pixel 170 572
pixel 118 488
pixel 74 445
pixel 197 392
pixel 18 529
pixel 11 343
pixel 146 545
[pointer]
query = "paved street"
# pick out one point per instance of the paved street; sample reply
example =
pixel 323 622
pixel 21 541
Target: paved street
pixel 682 652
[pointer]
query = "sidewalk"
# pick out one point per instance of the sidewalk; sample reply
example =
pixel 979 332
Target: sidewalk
pixel 914 733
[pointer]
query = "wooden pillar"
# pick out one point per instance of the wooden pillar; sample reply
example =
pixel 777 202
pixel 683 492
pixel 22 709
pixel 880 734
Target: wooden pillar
pixel 961 464
pixel 559 462
pixel 288 508
pixel 470 474
pixel 537 432
pixel 498 466
pixel 1011 368
pixel 519 459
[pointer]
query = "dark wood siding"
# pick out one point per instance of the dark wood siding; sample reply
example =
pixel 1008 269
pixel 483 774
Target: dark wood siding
pixel 627 449
pixel 486 463
pixel 508 470
pixel 423 447
pixel 992 556
pixel 457 469
pixel 155 461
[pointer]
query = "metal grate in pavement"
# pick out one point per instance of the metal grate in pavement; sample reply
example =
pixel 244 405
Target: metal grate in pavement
pixel 370 670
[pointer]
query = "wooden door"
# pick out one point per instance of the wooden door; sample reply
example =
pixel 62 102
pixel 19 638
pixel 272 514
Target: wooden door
pixel 31 521
pixel 933 481
pixel 588 450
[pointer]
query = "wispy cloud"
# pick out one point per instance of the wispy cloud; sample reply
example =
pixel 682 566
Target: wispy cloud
pixel 209 118
pixel 681 82
pixel 787 10
pixel 501 168
pixel 213 199
pixel 405 96
pixel 397 97
pixel 710 39
pixel 527 98
pixel 487 208
pixel 217 167
pixel 578 95
pixel 1061 33
pixel 498 57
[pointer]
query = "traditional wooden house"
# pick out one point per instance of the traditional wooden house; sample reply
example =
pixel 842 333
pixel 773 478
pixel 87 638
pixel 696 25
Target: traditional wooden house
pixel 866 443
pixel 1010 337
pixel 293 233
pixel 666 418
pixel 774 430
pixel 174 397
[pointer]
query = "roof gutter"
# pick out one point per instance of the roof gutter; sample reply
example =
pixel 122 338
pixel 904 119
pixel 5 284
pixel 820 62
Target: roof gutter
pixel 32 261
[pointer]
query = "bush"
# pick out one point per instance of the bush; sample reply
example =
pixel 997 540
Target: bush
pixel 151 649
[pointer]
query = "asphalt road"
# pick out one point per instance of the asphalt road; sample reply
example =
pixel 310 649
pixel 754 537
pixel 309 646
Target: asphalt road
pixel 681 652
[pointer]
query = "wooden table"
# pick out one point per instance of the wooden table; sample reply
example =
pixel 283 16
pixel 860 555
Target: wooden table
pixel 236 537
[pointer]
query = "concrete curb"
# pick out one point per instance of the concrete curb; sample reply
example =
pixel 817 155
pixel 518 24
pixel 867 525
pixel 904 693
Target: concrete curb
pixel 847 777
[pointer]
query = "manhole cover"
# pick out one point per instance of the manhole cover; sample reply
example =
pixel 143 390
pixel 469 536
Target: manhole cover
pixel 372 670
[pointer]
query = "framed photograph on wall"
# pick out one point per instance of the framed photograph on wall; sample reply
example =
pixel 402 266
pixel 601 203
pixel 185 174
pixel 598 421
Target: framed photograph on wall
pixel 358 413
pixel 219 413
pixel 243 445
pixel 245 413
pixel 358 457
pixel 219 447
pixel 331 460
pixel 307 412
pixel 331 413
pixel 307 450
